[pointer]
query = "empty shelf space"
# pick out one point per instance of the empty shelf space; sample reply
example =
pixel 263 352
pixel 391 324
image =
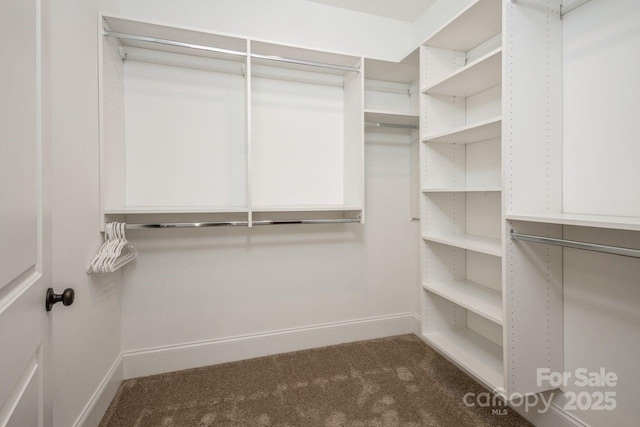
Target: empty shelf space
pixel 474 297
pixel 475 77
pixel 463 190
pixel 475 132
pixel 485 245
pixel 311 208
pixel 479 356
pixel 389 117
pixel 175 210
pixel 475 24
pixel 581 220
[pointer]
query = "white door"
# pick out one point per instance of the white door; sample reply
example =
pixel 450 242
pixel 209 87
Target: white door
pixel 25 235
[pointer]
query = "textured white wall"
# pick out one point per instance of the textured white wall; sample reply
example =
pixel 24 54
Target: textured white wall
pixel 86 334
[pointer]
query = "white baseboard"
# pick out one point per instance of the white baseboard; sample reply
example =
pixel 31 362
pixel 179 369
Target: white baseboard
pixel 95 409
pixel 416 324
pixel 159 360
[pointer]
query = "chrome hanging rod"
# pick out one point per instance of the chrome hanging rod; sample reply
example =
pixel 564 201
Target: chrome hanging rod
pixel 306 221
pixel 188 225
pixel 593 247
pixel 390 125
pixel 241 223
pixel 156 40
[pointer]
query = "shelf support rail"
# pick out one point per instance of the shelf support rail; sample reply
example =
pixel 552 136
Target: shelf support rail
pixel 593 247
pixel 241 223
pixel 124 36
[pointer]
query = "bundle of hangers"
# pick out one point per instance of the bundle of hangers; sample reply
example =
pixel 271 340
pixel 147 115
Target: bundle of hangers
pixel 115 252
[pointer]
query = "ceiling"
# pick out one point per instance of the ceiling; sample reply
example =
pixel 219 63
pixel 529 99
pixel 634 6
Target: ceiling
pixel 403 10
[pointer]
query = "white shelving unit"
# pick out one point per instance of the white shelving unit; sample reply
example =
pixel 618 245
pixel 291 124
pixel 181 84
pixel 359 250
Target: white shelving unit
pixel 485 245
pixel 475 132
pixel 391 117
pixel 463 190
pixel 472 352
pixel 486 106
pixel 477 76
pixel 462 249
pixel 194 122
pixel 474 297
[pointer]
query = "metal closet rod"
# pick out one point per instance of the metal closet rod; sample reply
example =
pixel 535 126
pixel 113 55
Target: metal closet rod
pixel 390 125
pixel 241 223
pixel 593 247
pixel 125 36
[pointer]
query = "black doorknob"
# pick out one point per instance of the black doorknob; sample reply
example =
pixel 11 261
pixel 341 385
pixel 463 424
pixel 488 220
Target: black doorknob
pixel 66 298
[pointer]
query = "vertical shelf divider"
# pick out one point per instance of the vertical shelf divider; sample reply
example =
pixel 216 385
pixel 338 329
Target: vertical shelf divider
pixel 249 107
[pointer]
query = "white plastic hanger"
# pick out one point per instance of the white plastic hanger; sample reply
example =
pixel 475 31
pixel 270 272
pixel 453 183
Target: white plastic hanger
pixel 115 252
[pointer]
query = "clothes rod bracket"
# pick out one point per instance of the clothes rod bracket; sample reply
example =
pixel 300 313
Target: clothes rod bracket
pixel 593 247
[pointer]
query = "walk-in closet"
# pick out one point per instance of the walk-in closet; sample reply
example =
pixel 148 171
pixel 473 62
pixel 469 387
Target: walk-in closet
pixel 319 213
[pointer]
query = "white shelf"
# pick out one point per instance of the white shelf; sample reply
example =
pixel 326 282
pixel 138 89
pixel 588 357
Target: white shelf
pixel 477 355
pixel 312 208
pixel 474 297
pixel 463 190
pixel 475 132
pixel 175 210
pixel 581 220
pixel 475 24
pixel 389 117
pixel 475 77
pixel 470 242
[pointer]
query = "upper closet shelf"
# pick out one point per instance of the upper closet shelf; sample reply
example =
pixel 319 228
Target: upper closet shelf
pixel 197 43
pixel 477 76
pixel 485 245
pixel 133 210
pixel 174 39
pixel 462 190
pixel 476 132
pixel 309 208
pixel 581 220
pixel 388 117
pixel 475 24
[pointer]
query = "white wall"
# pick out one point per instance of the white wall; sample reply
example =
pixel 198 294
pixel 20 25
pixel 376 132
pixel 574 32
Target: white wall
pixel 601 72
pixel 198 285
pixel 287 21
pixel 600 113
pixel 86 334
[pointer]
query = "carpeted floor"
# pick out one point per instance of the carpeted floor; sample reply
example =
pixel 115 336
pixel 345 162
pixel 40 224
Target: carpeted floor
pixel 397 381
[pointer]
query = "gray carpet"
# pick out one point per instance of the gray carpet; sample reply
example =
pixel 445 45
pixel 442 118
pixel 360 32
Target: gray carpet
pixel 397 381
